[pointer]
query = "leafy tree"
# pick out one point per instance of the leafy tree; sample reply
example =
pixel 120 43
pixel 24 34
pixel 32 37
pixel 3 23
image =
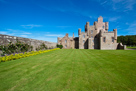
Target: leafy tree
pixel 59 46
pixel 129 40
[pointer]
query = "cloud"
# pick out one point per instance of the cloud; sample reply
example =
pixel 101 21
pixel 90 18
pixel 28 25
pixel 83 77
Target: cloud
pixel 131 28
pixel 114 19
pixel 93 17
pixel 55 35
pixel 123 5
pixel 104 2
pixel 2 32
pixel 63 26
pixel 31 26
pixel 26 33
pixel 23 35
pixel 17 31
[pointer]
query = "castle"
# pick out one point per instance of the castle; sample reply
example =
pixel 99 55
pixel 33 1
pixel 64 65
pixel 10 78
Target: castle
pixel 96 36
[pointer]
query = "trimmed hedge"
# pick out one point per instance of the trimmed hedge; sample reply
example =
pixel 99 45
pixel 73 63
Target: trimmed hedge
pixel 21 55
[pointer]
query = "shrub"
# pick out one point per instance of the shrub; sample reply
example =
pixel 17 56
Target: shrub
pixel 59 46
pixel 15 48
pixel 21 55
pixel 41 47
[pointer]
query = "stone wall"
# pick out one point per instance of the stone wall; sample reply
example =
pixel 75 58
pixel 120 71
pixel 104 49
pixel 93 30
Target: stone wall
pixel 5 39
pixel 121 46
pixel 108 44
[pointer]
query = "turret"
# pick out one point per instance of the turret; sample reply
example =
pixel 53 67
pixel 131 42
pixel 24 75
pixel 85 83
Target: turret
pixel 95 25
pixel 73 34
pixel 115 34
pixel 87 27
pixel 106 26
pixel 100 19
pixel 79 31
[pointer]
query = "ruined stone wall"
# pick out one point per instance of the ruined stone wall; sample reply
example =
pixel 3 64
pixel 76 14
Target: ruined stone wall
pixel 5 39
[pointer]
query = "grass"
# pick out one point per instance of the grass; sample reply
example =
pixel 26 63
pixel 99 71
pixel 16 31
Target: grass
pixel 71 70
pixel 131 47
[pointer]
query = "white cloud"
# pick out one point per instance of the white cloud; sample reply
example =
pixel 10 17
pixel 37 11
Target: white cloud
pixel 113 19
pixel 3 32
pixel 55 35
pixel 26 33
pixel 23 35
pixel 31 26
pixel 17 31
pixel 132 28
pixel 63 26
pixel 103 2
pixel 123 5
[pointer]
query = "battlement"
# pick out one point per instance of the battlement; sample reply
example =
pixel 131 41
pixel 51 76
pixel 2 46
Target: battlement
pixel 108 32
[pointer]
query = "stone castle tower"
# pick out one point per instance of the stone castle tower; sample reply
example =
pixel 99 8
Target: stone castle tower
pixel 96 36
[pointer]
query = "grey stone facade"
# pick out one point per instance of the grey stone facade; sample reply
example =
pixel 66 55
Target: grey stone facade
pixel 95 36
pixel 5 39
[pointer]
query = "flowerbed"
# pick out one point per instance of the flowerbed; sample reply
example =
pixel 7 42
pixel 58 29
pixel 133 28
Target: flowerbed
pixel 21 55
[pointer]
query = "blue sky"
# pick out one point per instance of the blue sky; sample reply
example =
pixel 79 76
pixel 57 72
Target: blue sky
pixel 49 19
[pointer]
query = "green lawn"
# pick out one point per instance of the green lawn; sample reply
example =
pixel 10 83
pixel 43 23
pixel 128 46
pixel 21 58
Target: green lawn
pixel 71 70
pixel 133 47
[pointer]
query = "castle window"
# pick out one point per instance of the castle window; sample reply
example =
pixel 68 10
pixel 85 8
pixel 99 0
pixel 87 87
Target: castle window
pixel 65 41
pixel 113 39
pixel 106 26
pixel 93 41
pixel 93 46
pixel 91 31
pixel 104 39
pixel 65 46
pixel 83 41
pixel 83 36
pixel 103 27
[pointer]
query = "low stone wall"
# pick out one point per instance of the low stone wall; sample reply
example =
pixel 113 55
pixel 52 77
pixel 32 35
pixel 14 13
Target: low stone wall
pixel 121 46
pixel 5 39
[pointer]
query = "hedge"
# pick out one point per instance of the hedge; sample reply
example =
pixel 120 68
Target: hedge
pixel 21 55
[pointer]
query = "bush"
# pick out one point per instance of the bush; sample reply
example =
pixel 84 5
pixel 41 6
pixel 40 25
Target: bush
pixel 15 48
pixel 21 55
pixel 41 47
pixel 59 46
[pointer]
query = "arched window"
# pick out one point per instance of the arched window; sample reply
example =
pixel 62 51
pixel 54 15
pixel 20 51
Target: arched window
pixel 83 36
pixel 103 27
pixel 91 31
pixel 113 39
pixel 65 41
pixel 83 41
pixel 104 39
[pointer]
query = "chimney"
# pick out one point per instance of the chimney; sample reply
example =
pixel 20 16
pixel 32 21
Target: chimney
pixel 73 34
pixel 100 19
pixel 67 34
pixel 79 31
